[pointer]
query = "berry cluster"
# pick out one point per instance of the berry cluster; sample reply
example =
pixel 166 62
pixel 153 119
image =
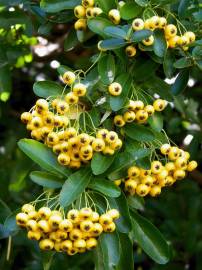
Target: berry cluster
pixel 85 11
pixel 143 182
pixel 139 112
pixel 75 233
pixel 49 122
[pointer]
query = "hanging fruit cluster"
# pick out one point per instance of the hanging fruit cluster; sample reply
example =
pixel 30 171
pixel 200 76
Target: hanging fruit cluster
pixel 139 112
pixel 161 174
pixel 49 121
pixel 74 232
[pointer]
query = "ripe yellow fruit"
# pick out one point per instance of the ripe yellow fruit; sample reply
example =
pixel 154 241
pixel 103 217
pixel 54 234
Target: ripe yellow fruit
pixel 130 186
pixel 42 105
pixel 191 36
pixel 80 25
pixel 148 180
pixel 183 41
pixel 98 145
pixel 79 89
pixel 129 116
pixel 80 12
pixel 44 212
pixel 173 41
pixel 165 148
pixel 154 22
pixel 46 244
pixel 27 208
pixel 156 167
pixel 69 77
pixel 66 225
pixel 26 117
pixel 111 227
pixel 192 165
pixel 34 235
pixel 131 51
pixel 32 225
pixel 64 159
pixel 159 105
pixel 54 221
pixel 85 213
pixel 119 121
pixel 96 11
pixel 115 89
pixel 105 219
pixel 155 191
pixel 91 243
pixel 170 30
pixel 75 234
pixel 44 226
pixel 114 213
pixel 148 25
pixel 89 13
pixel 173 153
pixel 138 24
pixel 149 109
pixel 142 190
pixel 133 172
pixel 162 22
pixel 141 116
pixel 179 174
pixel 88 3
pixel 66 245
pixel 148 41
pixel 114 16
pixel 73 215
pixel 71 98
pixel 86 226
pixel 22 219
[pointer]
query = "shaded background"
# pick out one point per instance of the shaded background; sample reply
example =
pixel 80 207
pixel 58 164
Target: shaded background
pixel 32 45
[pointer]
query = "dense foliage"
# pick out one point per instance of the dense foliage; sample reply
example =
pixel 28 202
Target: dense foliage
pixel 104 134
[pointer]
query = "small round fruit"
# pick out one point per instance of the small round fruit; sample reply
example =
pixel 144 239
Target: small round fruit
pixel 114 213
pixel 138 24
pixel 142 190
pixel 54 221
pixel 64 159
pixel 22 219
pixel 86 226
pixel 91 243
pixel 97 229
pixel 98 145
pixel 80 12
pixel 179 174
pixel 85 213
pixel 111 137
pixel 191 36
pixel 109 228
pixel 88 3
pixel 34 235
pixel 148 41
pixel 162 22
pixel 71 98
pixel 89 12
pixel 173 153
pixel 115 89
pixel 114 16
pixel 66 225
pixel 192 165
pixel 32 225
pixel 75 234
pixel 119 121
pixel 173 41
pixel 44 226
pixel 46 244
pixel 129 116
pixel 170 167
pixel 26 117
pixel 130 51
pixel 159 105
pixel 26 208
pixel 165 148
pixel 44 212
pixel 73 215
pixel 141 116
pixel 148 180
pixel 130 186
pixel 149 109
pixel 79 244
pixel 80 25
pixel 181 163
pixel 183 41
pixel 133 172
pixel 96 11
pixel 66 245
pixel 79 89
pixel 156 167
pixel 105 219
pixel 155 191
pixel 95 217
pixel 102 133
pixel 170 30
pixel 154 22
pixel 69 77
pixel 42 105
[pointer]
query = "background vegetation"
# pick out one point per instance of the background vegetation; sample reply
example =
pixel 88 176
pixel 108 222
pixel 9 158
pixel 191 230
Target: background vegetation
pixel 34 40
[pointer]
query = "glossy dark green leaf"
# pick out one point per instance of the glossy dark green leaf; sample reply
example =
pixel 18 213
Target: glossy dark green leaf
pixel 47 180
pixel 198 16
pixel 53 6
pixel 107 69
pixel 98 258
pixel 100 163
pixel 130 11
pixel 123 224
pixel 140 35
pixel 106 5
pixel 124 160
pixel 150 239
pixel 183 62
pixel 74 186
pixel 110 246
pixel 180 82
pixel 97 25
pixel 135 202
pixel 115 32
pixel 126 253
pixel 71 41
pixel 112 43
pixel 142 3
pixel 160 45
pixel 156 121
pixel 106 187
pixel 183 7
pixel 42 155
pixel 139 133
pixel 168 67
pixel 47 88
pixel 117 102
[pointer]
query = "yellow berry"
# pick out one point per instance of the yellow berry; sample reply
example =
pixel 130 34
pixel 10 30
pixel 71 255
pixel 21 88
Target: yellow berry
pixel 130 51
pixel 191 36
pixel 66 245
pixel 183 41
pixel 96 11
pixel 162 22
pixel 26 117
pixel 148 180
pixel 64 159
pixel 62 107
pixel 34 235
pixel 79 89
pixel 192 165
pixel 173 153
pixel 129 116
pixel 79 12
pixel 105 219
pixel 133 172
pixel 159 105
pixel 141 116
pixel 165 148
pixel 154 22
pixel 111 227
pixel 46 244
pixel 71 98
pixel 148 41
pixel 130 186
pixel 111 137
pixel 179 174
pixel 181 163
pixel 95 216
pixel 155 191
pixel 26 208
pixel 119 121
pixel 66 225
pixel 173 41
pixel 42 105
pixel 170 30
pixel 86 226
pixel 149 109
pixel 98 145
pixel 91 243
pixel 44 212
pixel 97 229
pixel 44 226
pixel 88 3
pixel 114 16
pixel 73 215
pixel 69 77
pixel 75 234
pixel 115 89
pixel 54 221
pixel 102 133
pixel 156 167
pixel 22 219
pixel 32 225
pixel 142 190
pixel 138 24
pixel 114 213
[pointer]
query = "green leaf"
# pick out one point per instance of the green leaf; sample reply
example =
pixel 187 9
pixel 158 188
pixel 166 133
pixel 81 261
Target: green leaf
pixel 106 5
pixel 156 121
pixel 116 103
pixel 100 163
pixel 71 41
pixel 183 7
pixel 183 62
pixel 140 35
pixel 47 180
pixel 124 222
pixel 110 246
pixel 198 16
pixel 112 43
pixel 74 186
pixel 62 69
pixel 98 258
pixel 124 160
pixel 47 88
pixel 160 45
pixel 168 67
pixel 139 133
pixel 115 32
pixel 142 3
pixel 130 11
pixel 126 254
pixel 97 25
pixel 42 155
pixel 106 187
pixel 135 202
pixel 180 82
pixel 53 6
pixel 5 79
pixel 107 68
pixel 150 239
